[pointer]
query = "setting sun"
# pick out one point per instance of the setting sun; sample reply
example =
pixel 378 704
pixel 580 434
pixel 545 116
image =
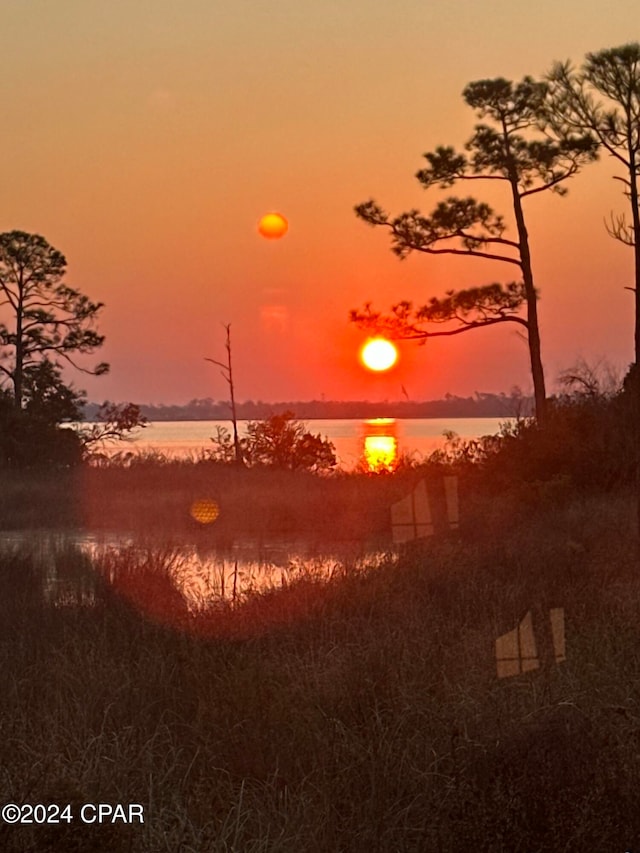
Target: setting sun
pixel 379 354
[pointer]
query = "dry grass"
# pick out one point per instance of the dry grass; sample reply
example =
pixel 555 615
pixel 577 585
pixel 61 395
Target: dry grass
pixel 360 714
pixel 156 498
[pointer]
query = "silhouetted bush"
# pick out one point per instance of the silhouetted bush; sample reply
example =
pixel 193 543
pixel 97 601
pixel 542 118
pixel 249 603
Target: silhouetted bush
pixel 31 439
pixel 280 441
pixel 587 443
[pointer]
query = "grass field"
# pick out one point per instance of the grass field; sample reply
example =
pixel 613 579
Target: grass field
pixel 357 714
pixel 157 499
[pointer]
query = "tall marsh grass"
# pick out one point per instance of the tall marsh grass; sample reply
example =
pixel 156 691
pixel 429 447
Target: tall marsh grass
pixel 155 496
pixel 357 714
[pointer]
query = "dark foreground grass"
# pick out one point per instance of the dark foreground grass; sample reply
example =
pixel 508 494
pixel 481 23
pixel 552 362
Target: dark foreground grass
pixel 155 496
pixel 362 714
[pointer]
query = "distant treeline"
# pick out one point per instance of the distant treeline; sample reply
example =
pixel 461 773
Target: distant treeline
pixel 481 405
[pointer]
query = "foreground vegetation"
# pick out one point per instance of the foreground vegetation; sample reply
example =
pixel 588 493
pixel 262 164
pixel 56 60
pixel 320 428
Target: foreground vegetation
pixel 155 496
pixel 357 713
pixel 588 447
pixel 367 717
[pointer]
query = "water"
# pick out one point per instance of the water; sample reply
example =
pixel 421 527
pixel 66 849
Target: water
pixel 204 577
pixel 413 436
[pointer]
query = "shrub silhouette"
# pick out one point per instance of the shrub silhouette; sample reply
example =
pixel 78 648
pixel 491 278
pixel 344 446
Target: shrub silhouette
pixel 280 441
pixel 588 442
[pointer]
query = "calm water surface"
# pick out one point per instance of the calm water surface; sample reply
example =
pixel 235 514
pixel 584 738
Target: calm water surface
pixel 419 435
pixel 206 575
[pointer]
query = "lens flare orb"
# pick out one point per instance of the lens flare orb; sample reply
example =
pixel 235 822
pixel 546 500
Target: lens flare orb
pixel 379 354
pixel 273 226
pixel 204 510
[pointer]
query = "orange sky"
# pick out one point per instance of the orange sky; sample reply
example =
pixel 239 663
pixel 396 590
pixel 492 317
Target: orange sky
pixel 145 140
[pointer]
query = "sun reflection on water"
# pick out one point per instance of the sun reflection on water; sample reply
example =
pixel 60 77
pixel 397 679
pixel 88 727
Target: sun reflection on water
pixel 380 444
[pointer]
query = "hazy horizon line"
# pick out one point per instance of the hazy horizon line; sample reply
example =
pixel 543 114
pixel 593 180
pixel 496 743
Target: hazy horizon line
pixel 320 401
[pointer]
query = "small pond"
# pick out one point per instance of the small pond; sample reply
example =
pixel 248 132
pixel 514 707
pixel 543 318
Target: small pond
pixel 202 574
